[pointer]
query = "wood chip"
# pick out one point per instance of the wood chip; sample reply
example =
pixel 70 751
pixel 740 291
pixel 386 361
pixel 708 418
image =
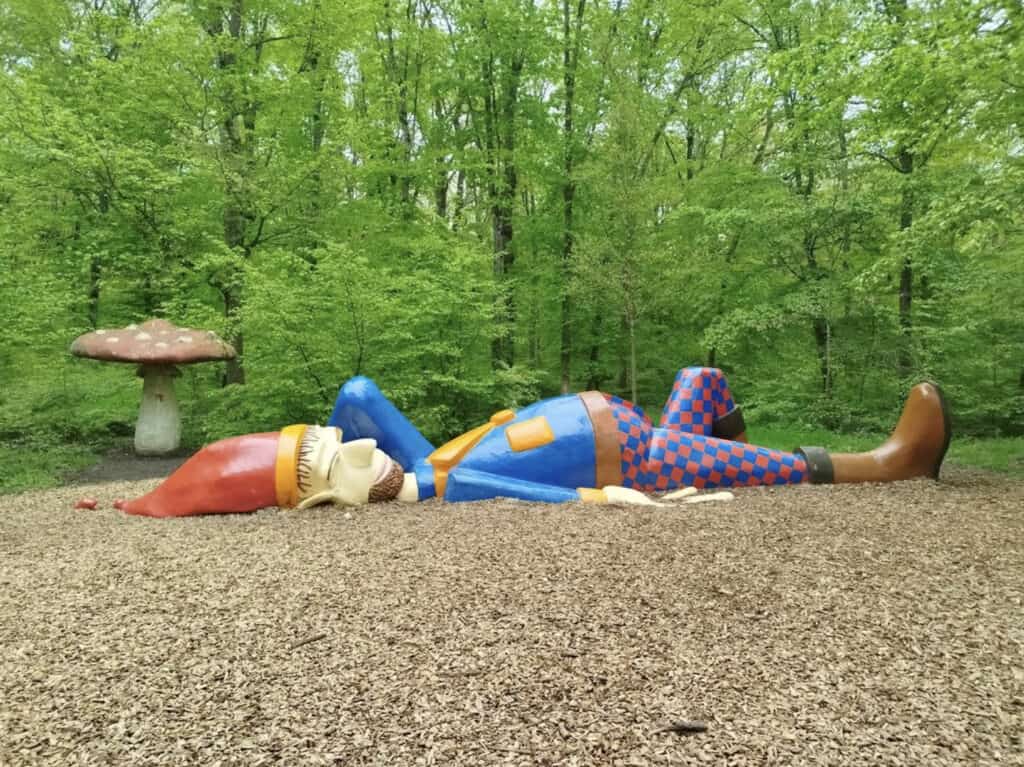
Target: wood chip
pixel 833 624
pixel 683 728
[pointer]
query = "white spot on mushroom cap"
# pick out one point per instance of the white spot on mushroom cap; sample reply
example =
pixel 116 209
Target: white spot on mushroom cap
pixel 185 339
pixel 161 344
pixel 101 332
pixel 133 326
pixel 113 340
pixel 143 336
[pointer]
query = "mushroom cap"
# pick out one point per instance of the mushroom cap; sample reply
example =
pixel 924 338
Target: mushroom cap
pixel 157 342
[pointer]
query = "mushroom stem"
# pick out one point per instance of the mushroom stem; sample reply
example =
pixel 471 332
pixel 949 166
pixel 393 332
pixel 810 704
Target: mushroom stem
pixel 158 430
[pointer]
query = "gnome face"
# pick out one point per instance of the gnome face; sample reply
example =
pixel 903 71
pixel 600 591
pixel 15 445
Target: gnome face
pixel 341 473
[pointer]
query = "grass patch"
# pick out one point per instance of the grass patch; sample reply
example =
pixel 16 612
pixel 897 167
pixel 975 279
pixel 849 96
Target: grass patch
pixel 32 468
pixel 1002 454
pixel 787 438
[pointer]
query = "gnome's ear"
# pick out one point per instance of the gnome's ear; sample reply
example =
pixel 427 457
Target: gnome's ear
pixel 326 496
pixel 359 452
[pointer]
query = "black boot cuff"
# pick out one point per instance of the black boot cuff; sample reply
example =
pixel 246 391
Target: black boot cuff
pixel 819 465
pixel 729 426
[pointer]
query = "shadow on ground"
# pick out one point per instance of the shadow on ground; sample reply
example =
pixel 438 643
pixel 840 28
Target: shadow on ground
pixel 121 466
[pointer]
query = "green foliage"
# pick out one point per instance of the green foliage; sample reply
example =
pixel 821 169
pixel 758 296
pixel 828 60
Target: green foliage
pixel 28 466
pixel 478 204
pixel 786 437
pixel 1004 454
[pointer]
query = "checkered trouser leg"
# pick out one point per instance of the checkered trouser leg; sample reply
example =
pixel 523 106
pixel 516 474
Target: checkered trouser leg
pixel 677 459
pixel 634 433
pixel 700 396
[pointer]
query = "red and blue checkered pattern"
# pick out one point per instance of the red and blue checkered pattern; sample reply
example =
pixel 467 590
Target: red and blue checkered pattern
pixel 700 396
pixel 660 459
pixel 634 433
pixel 677 459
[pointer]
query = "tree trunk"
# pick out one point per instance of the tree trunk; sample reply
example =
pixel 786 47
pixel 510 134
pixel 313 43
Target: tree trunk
pixel 397 69
pixel 503 345
pixel 565 341
pixel 95 267
pixel 730 252
pixel 149 296
pixel 533 337
pixel 906 361
pixel 844 185
pixel 623 378
pixel 442 177
pixel 631 320
pixel 238 118
pixel 691 150
pixel 823 341
pixel 593 376
pixel 312 64
pixel 820 325
pixel 570 54
pixel 460 200
pixel 500 144
pixel 441 190
pixel 95 275
pixel 234 372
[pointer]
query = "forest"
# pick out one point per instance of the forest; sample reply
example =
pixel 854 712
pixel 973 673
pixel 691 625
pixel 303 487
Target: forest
pixel 479 203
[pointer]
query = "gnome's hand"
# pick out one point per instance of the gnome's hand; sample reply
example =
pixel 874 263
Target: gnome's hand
pixel 618 494
pixel 678 495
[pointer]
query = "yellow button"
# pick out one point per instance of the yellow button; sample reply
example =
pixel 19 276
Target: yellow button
pixel 528 434
pixel 502 416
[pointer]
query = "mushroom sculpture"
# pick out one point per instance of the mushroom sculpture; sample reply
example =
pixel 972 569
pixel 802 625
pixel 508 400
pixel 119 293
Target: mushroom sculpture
pixel 157 347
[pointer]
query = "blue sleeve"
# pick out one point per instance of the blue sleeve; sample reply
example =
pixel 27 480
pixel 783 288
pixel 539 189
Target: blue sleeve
pixel 362 411
pixel 425 480
pixel 473 485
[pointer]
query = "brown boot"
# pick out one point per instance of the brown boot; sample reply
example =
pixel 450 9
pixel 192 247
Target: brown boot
pixel 914 449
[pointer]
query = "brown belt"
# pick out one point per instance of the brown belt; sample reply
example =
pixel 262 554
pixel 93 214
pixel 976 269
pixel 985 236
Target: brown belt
pixel 608 462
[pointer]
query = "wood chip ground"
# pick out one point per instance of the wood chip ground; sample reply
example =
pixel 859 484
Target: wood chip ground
pixel 808 625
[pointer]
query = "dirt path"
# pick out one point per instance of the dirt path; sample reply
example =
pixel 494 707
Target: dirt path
pixel 119 466
pixel 873 624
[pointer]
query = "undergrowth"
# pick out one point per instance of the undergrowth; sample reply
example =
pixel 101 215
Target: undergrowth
pixel 27 466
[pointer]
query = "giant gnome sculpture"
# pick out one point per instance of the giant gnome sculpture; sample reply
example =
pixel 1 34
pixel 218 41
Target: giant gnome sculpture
pixel 590 447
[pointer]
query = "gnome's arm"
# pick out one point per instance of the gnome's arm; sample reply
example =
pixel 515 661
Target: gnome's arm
pixel 473 485
pixel 362 411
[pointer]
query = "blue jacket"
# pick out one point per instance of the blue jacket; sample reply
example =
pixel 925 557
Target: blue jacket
pixel 553 450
